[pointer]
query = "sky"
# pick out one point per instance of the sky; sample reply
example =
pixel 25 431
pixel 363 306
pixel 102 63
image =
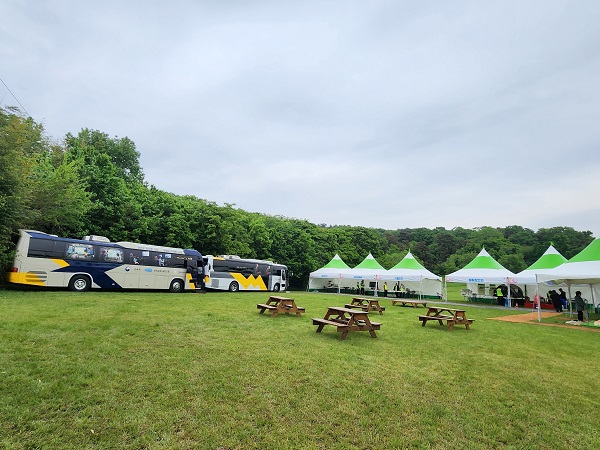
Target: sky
pixel 382 113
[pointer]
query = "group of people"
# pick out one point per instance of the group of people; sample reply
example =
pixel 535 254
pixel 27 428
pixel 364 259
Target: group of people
pixel 559 301
pixel 398 288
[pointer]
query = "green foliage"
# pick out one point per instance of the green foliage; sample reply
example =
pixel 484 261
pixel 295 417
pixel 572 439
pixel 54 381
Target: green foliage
pixel 59 201
pixel 94 184
pixel 15 145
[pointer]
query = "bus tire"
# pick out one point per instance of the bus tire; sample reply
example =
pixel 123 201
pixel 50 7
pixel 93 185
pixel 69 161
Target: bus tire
pixel 234 286
pixel 176 286
pixel 80 283
pixel 276 287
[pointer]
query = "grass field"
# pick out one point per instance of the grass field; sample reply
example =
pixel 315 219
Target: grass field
pixel 158 370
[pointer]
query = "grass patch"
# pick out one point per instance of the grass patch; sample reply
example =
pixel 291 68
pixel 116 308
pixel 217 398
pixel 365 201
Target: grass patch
pixel 158 370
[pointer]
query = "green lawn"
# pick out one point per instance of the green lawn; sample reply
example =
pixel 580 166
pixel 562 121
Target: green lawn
pixel 159 370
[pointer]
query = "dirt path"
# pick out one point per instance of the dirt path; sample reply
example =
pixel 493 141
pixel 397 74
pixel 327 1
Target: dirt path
pixel 532 317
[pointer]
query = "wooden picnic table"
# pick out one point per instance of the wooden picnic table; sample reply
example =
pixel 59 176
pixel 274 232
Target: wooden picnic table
pixel 409 302
pixel 366 304
pixel 346 320
pixel 452 316
pixel 278 305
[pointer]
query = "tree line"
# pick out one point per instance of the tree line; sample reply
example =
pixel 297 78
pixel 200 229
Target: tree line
pixel 91 183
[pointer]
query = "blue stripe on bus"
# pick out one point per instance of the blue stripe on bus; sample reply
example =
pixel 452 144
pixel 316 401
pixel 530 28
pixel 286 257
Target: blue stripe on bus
pixel 97 272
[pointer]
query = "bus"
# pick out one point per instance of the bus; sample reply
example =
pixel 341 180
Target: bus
pixel 232 273
pixel 94 262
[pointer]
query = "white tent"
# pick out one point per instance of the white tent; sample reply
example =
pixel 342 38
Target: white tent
pixel 482 270
pixel 527 278
pixel 415 277
pixel 330 276
pixel 337 276
pixel 370 271
pixel 582 270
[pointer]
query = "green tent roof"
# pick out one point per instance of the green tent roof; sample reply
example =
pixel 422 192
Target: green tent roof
pixel 484 261
pixel 409 262
pixel 336 263
pixel 369 263
pixel 549 260
pixel 590 253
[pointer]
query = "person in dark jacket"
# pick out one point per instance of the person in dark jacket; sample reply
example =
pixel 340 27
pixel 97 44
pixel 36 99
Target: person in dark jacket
pixel 579 305
pixel 563 298
pixel 556 300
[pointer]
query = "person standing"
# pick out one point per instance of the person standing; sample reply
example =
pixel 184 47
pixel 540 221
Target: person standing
pixel 362 287
pixel 385 288
pixel 563 298
pixel 556 300
pixel 500 296
pixel 580 305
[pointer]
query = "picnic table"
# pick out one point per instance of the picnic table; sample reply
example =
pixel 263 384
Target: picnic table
pixel 278 305
pixel 366 304
pixel 346 320
pixel 409 302
pixel 452 317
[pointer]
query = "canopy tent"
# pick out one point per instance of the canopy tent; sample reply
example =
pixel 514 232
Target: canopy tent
pixel 582 270
pixel 414 276
pixel 337 276
pixel 369 270
pixel 328 275
pixel 527 278
pixel 482 270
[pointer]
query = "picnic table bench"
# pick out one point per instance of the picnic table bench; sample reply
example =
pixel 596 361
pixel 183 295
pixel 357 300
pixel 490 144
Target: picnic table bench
pixel 282 305
pixel 409 302
pixel 366 304
pixel 453 317
pixel 347 320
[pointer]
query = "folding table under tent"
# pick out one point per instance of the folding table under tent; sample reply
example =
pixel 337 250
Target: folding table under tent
pixel 483 269
pixel 414 276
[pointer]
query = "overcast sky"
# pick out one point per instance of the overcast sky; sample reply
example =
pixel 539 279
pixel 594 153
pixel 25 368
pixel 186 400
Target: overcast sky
pixel 380 113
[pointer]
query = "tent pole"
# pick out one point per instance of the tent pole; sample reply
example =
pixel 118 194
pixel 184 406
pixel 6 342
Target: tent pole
pixel 587 314
pixel 537 294
pixel 570 303
pixel 445 291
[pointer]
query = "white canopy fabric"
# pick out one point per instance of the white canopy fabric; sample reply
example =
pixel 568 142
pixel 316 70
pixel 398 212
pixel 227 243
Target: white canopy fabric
pixel 369 269
pixel 338 275
pixel 483 269
pixel 329 274
pixel 549 260
pixel 414 276
pixel 583 270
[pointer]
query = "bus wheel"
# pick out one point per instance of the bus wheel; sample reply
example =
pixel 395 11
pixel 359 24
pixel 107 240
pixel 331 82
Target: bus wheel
pixel 80 283
pixel 176 286
pixel 234 287
pixel 276 287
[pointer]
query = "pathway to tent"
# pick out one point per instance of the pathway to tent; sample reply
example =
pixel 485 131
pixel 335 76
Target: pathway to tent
pixel 532 317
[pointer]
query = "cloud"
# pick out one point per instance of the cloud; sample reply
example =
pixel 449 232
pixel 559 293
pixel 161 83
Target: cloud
pixel 384 114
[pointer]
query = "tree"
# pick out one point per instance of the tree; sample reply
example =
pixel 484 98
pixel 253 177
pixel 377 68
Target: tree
pixel 111 172
pixel 58 200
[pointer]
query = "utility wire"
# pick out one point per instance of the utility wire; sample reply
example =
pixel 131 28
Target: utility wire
pixel 15 97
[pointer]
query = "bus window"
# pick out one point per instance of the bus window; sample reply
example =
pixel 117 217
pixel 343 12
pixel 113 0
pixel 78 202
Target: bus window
pixel 80 251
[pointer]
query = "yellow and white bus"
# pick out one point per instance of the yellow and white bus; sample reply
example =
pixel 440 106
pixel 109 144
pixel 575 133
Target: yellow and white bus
pixel 232 273
pixel 94 262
